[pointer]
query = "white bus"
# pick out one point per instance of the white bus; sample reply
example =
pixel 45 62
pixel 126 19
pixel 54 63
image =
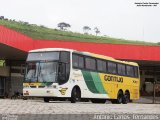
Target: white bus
pixel 57 73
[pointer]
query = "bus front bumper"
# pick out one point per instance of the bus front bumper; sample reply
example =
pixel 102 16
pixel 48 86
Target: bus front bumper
pixel 40 92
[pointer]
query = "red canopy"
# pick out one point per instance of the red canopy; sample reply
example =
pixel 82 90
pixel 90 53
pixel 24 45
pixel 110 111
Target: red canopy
pixel 119 51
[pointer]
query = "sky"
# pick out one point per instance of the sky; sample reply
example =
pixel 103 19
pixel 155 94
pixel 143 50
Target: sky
pixel 114 18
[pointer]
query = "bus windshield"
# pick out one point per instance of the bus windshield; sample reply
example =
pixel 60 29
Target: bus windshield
pixel 47 72
pixel 41 72
pixel 31 72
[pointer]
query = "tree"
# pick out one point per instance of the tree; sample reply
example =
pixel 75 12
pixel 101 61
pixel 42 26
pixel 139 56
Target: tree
pixel 96 30
pixel 86 29
pixel 63 25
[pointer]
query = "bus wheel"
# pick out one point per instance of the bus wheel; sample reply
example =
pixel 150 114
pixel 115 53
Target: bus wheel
pixel 46 99
pixel 120 97
pixel 98 100
pixel 76 95
pixel 126 98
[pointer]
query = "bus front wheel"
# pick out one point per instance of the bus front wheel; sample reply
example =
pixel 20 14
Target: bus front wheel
pixel 75 95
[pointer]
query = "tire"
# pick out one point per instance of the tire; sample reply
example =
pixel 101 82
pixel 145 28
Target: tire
pixel 46 99
pixel 126 98
pixel 98 100
pixel 120 97
pixel 75 95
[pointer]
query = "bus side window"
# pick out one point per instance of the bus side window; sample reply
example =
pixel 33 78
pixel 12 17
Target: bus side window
pixel 136 71
pixel 65 57
pixel 80 62
pixel 75 60
pixel 90 63
pixel 101 66
pixel 121 69
pixel 130 71
pixel 112 67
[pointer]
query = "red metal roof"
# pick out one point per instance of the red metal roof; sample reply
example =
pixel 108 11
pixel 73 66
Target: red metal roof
pixel 119 51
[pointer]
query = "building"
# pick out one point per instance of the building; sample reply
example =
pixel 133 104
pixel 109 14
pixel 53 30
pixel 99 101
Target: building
pixel 14 47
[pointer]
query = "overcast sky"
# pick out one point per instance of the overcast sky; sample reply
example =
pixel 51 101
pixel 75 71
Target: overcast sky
pixel 114 18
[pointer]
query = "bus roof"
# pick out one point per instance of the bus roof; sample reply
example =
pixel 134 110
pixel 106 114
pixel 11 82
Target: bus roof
pixel 84 53
pixel 50 49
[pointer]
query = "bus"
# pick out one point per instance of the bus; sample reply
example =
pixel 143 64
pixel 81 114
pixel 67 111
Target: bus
pixel 66 74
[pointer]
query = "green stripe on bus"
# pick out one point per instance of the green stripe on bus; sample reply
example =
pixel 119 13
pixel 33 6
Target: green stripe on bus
pixel 46 83
pixel 89 82
pixel 98 83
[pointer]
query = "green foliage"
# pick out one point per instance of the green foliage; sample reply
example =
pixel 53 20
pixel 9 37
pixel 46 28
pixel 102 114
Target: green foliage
pixel 42 32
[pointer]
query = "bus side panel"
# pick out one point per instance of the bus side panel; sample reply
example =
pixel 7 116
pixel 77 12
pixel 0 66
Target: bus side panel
pixel 100 85
pixel 94 85
pixel 113 83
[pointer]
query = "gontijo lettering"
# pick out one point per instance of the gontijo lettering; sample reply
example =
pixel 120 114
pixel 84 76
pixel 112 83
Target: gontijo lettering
pixel 113 78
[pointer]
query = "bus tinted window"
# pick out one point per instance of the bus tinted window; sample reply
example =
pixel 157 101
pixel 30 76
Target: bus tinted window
pixel 65 57
pixel 136 71
pixel 112 67
pixel 101 66
pixel 78 61
pixel 90 63
pixel 75 60
pixel 121 69
pixel 81 62
pixel 130 71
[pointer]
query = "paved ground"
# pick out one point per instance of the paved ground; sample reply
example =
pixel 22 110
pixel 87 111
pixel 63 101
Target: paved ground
pixel 8 106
